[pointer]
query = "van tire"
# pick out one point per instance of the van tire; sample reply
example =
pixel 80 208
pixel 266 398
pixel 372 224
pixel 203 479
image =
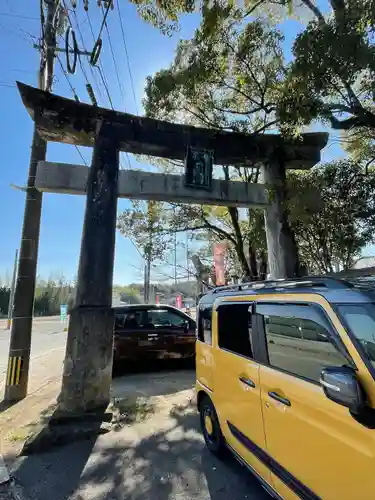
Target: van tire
pixel 214 440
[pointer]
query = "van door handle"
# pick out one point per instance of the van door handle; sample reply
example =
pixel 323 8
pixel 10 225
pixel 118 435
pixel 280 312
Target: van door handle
pixel 247 381
pixel 279 398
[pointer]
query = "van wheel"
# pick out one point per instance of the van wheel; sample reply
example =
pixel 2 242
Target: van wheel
pixel 210 426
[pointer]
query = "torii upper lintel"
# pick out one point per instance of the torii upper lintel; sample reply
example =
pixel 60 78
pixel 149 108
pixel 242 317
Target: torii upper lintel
pixel 63 120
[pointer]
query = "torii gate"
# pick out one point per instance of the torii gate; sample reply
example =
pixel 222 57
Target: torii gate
pixel 88 363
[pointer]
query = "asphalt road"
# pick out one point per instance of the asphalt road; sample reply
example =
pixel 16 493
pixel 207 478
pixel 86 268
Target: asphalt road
pixel 47 335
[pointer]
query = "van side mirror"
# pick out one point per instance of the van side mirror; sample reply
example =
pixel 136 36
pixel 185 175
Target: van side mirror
pixel 341 385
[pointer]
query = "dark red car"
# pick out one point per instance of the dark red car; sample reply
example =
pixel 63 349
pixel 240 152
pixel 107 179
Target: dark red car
pixel 145 331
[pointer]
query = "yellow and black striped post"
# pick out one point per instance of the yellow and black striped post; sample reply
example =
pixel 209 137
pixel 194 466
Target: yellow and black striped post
pixel 14 373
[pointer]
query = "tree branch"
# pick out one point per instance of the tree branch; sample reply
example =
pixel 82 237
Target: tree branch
pixel 265 127
pixel 219 231
pixel 315 10
pixel 253 8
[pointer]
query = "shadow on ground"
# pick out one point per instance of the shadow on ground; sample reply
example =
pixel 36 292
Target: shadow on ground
pixel 153 460
pixel 153 379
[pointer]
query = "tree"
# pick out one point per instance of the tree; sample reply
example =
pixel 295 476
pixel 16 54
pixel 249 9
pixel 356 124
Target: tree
pixel 145 226
pixel 332 212
pixel 331 77
pixel 227 77
pixel 4 300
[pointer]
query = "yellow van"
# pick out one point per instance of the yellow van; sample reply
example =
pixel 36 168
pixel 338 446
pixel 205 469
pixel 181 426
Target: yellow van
pixel 286 382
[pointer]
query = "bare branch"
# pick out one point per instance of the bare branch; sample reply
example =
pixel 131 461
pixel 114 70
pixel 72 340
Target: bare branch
pixel 315 10
pixel 265 126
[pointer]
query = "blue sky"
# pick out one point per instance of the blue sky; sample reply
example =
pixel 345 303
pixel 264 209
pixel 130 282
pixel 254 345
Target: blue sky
pixel 62 216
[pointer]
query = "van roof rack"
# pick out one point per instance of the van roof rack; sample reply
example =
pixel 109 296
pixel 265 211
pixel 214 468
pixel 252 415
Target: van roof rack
pixel 307 281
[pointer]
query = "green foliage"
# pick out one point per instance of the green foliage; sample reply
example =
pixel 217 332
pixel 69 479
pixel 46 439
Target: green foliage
pixel 163 14
pixel 129 294
pixel 145 226
pixel 227 77
pixel 50 295
pixel 4 300
pixel 331 76
pixel 332 212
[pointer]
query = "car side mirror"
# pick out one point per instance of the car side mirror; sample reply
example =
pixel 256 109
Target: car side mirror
pixel 341 385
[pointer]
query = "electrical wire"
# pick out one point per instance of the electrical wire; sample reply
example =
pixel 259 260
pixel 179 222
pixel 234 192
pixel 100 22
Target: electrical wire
pixel 127 55
pixel 75 97
pixel 7 14
pixel 67 78
pixel 101 72
pixel 18 35
pixel 8 85
pixel 105 83
pixel 84 48
pixel 113 56
pixel 104 21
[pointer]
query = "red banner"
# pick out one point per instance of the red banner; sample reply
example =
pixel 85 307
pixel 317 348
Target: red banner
pixel 179 301
pixel 220 250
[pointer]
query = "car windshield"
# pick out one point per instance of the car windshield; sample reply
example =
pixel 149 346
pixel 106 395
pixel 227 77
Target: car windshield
pixel 360 319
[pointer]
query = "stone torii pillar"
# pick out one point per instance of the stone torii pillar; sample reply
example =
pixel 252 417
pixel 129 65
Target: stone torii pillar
pixel 87 372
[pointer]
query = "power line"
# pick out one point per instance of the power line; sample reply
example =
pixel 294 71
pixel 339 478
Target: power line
pixel 104 80
pixel 18 35
pixel 81 155
pixel 84 48
pixel 113 56
pixel 98 66
pixel 20 16
pixel 67 78
pixel 76 98
pixel 127 55
pixel 105 83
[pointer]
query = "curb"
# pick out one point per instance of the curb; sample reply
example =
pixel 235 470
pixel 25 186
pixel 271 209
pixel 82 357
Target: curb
pixel 12 491
pixel 4 474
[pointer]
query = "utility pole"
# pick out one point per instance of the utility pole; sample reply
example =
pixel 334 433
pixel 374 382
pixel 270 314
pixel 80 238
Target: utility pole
pixel 146 288
pixel 175 250
pixel 11 297
pixel 187 255
pixel 20 338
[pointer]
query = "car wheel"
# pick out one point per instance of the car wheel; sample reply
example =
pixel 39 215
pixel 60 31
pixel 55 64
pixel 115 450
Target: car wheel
pixel 210 426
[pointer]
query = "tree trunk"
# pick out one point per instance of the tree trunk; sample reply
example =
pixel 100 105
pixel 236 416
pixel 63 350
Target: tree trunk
pixel 263 266
pixel 283 259
pixel 233 212
pixel 253 264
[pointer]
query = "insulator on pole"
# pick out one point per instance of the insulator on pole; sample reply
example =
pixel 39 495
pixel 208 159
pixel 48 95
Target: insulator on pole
pixel 71 67
pixel 91 94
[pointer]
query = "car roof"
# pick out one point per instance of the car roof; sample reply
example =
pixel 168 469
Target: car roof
pixel 335 291
pixel 148 307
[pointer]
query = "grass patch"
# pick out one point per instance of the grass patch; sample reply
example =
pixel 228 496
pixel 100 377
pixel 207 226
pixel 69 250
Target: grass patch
pixel 130 410
pixel 18 435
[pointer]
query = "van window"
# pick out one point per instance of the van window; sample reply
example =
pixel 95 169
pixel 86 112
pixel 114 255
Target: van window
pixel 360 319
pixel 204 313
pixel 234 328
pixel 299 340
